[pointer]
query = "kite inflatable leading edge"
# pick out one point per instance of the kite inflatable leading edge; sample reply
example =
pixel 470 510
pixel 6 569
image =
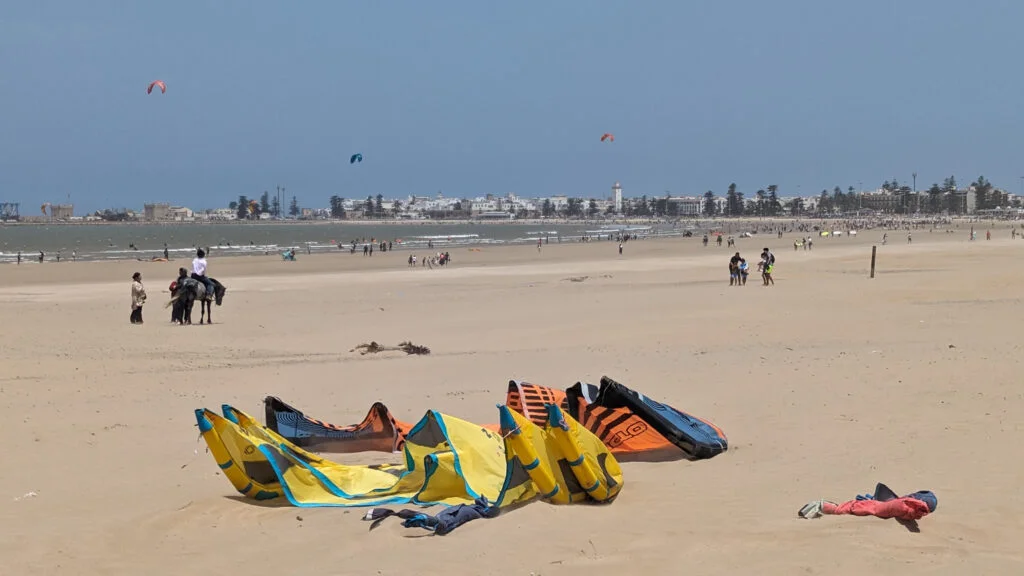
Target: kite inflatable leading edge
pixel 626 421
pixel 447 461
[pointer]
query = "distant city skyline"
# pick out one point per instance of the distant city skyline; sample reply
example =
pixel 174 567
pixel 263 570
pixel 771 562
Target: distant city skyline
pixel 949 198
pixel 471 98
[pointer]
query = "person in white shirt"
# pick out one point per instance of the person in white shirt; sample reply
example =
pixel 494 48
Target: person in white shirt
pixel 199 271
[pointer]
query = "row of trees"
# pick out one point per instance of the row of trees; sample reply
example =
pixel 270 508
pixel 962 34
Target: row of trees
pixel 245 209
pixel 946 197
pixel 373 207
pixel 765 203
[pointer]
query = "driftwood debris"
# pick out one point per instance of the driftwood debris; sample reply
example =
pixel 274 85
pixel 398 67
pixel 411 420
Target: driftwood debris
pixel 407 347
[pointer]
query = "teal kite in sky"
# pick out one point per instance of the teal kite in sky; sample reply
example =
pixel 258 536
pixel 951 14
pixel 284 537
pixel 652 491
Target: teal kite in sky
pixel 355 158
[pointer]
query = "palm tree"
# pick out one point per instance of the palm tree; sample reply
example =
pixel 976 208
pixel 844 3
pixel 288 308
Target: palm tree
pixel 733 205
pixel 774 207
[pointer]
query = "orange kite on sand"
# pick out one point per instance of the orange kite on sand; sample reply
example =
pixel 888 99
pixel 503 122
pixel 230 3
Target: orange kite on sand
pixel 626 421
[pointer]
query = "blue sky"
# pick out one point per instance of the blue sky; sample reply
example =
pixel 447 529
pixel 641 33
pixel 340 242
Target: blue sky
pixel 471 97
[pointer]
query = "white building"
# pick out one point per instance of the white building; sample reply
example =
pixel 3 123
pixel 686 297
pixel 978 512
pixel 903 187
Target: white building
pixel 180 214
pixel 617 197
pixel 688 205
pixel 218 214
pixel 487 204
pixel 559 203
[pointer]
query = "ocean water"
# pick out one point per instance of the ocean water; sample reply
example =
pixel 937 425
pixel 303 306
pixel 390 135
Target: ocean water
pixel 146 241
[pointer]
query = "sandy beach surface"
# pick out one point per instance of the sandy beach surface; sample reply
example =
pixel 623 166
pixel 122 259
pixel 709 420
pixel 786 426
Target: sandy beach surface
pixel 826 383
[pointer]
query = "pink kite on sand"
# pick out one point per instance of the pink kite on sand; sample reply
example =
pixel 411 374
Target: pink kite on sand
pixel 884 503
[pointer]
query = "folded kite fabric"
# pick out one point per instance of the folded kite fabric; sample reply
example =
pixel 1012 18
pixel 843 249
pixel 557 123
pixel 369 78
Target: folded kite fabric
pixel 884 503
pixel 447 520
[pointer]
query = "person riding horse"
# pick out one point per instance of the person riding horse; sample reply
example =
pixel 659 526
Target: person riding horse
pixel 199 272
pixel 187 290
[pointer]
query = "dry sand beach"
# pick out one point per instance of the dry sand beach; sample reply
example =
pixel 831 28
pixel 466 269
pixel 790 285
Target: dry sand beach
pixel 825 384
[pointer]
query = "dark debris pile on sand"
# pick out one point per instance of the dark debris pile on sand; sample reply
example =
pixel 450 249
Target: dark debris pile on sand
pixel 407 347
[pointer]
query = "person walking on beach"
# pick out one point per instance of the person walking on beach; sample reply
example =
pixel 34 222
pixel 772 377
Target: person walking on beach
pixel 769 266
pixel 734 269
pixel 620 248
pixel 19 257
pixel 166 253
pixel 138 298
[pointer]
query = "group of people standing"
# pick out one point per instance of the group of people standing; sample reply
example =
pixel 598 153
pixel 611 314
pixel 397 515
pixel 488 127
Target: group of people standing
pixel 439 259
pixel 199 266
pixel 739 269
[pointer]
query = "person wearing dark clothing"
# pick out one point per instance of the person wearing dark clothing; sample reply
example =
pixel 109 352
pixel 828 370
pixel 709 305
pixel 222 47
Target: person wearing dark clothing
pixel 178 308
pixel 734 269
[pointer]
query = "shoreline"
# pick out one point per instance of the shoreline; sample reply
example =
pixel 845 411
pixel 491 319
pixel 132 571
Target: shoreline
pixel 517 221
pixel 671 250
pixel 143 242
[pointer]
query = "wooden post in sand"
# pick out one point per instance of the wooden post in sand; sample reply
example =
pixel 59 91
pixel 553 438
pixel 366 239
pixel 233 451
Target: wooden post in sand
pixel 873 250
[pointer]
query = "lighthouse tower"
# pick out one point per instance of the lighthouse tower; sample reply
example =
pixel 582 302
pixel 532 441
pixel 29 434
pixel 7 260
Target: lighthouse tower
pixel 617 197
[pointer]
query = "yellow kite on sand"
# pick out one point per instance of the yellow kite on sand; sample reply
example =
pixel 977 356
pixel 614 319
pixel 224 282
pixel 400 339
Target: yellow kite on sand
pixel 447 461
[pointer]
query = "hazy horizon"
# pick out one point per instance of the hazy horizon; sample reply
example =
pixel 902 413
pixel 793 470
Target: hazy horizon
pixel 469 99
